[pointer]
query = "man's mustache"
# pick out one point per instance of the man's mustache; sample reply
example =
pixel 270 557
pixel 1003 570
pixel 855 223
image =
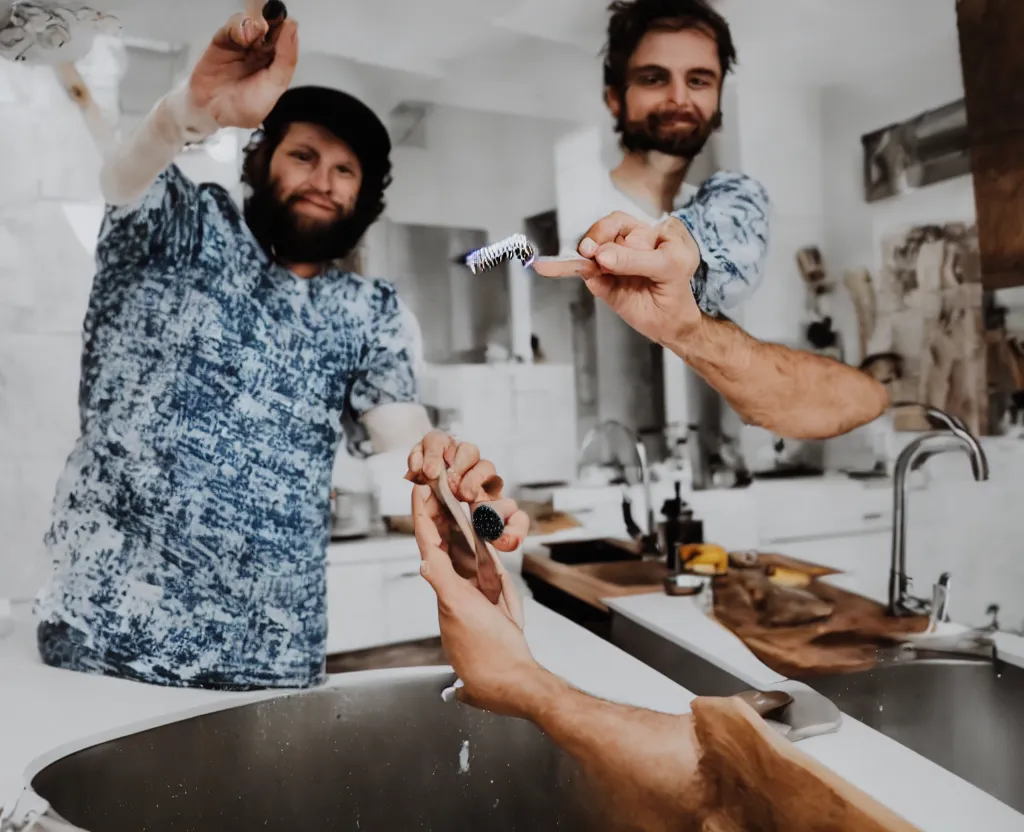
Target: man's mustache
pixel 319 196
pixel 677 117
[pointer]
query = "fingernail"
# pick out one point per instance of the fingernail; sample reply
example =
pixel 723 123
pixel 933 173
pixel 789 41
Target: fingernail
pixel 424 567
pixel 608 258
pixel 587 247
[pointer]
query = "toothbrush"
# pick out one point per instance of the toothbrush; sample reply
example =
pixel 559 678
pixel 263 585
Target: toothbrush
pixel 516 247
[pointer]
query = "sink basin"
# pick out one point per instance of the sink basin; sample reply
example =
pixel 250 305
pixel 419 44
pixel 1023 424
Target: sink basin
pixel 380 752
pixel 604 550
pixel 965 715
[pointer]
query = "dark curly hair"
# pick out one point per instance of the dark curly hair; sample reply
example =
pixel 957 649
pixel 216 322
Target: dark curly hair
pixel 632 19
pixel 370 203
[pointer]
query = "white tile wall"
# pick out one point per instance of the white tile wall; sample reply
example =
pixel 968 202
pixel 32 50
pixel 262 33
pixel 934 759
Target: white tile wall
pixel 45 274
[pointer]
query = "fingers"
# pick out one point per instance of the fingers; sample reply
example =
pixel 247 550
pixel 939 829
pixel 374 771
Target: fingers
pixel 434 445
pixel 643 238
pixel 415 463
pixel 517 527
pixel 285 43
pixel 480 484
pixel 655 264
pixel 517 524
pixel 462 458
pixel 436 566
pixel 556 267
pixel 608 230
pixel 241 32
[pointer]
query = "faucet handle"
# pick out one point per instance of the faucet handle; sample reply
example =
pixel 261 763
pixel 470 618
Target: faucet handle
pixel 993 612
pixel 940 601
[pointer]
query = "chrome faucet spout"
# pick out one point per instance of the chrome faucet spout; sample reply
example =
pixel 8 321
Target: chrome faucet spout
pixel 955 437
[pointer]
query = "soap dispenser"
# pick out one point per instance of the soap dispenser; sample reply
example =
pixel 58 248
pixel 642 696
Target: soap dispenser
pixel 679 528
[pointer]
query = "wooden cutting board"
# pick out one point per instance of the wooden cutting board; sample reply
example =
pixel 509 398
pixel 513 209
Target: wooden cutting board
pixel 754 779
pixel 844 642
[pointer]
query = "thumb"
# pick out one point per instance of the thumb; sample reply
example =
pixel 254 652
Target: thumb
pixel 286 52
pixel 621 260
pixel 436 565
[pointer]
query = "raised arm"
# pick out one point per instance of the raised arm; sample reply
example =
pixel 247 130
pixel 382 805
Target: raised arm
pixel 236 83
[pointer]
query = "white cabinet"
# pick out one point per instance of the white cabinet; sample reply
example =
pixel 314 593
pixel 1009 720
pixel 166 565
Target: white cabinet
pixel 370 603
pixel 802 511
pixel 410 606
pixel 862 558
pixel 355 594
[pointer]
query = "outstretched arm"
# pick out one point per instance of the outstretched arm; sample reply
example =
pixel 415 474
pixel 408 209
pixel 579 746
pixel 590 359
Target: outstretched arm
pixel 794 394
pixel 719 767
pixel 644 273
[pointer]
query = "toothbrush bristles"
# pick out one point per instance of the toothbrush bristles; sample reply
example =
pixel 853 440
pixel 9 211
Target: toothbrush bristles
pixel 516 247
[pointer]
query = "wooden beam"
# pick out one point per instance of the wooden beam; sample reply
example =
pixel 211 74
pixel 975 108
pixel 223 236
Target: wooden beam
pixel 991 32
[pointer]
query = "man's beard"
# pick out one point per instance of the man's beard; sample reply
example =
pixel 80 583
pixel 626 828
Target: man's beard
pixel 655 134
pixel 291 238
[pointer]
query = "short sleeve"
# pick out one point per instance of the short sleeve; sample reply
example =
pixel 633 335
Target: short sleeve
pixel 729 218
pixel 387 372
pixel 162 222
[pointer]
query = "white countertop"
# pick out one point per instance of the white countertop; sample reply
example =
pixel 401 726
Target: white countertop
pixel 46 713
pixel 924 793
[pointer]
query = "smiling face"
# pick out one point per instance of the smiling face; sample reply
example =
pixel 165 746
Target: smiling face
pixel 672 97
pixel 303 205
pixel 316 175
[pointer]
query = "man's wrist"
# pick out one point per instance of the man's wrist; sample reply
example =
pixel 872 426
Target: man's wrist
pixel 181 121
pixel 688 340
pixel 542 694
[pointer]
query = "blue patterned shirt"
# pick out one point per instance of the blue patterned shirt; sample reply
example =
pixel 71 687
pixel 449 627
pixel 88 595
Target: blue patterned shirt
pixel 191 521
pixel 729 219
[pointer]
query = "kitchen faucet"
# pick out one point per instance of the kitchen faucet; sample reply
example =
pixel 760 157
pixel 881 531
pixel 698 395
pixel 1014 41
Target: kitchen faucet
pixel 955 437
pixel 649 541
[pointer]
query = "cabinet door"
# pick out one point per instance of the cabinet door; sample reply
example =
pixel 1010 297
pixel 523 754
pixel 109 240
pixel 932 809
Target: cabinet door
pixel 862 558
pixel 409 605
pixel 991 33
pixel 355 614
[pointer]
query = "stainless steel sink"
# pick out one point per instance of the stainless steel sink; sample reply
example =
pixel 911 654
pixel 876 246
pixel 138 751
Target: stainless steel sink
pixel 965 715
pixel 603 550
pixel 381 752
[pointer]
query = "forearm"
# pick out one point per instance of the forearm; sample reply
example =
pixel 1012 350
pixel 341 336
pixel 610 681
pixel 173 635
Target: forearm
pixel 792 393
pixel 645 762
pixel 133 165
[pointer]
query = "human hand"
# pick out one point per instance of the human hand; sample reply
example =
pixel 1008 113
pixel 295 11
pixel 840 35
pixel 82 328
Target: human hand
pixel 472 480
pixel 642 272
pixel 245 70
pixel 484 644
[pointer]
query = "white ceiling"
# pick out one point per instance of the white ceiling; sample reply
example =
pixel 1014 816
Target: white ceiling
pixel 539 58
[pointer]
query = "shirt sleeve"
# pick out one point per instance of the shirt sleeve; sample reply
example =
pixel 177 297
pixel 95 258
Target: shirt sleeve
pixel 163 221
pixel 387 372
pixel 729 219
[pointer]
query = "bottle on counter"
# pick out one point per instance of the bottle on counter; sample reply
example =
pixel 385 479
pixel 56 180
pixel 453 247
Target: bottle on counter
pixel 679 528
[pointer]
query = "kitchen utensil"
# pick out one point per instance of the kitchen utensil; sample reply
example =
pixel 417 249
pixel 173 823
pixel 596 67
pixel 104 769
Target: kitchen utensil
pixel 491 577
pixel 353 513
pixel 683 584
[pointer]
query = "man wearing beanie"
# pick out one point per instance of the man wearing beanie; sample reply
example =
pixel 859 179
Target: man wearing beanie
pixel 221 352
